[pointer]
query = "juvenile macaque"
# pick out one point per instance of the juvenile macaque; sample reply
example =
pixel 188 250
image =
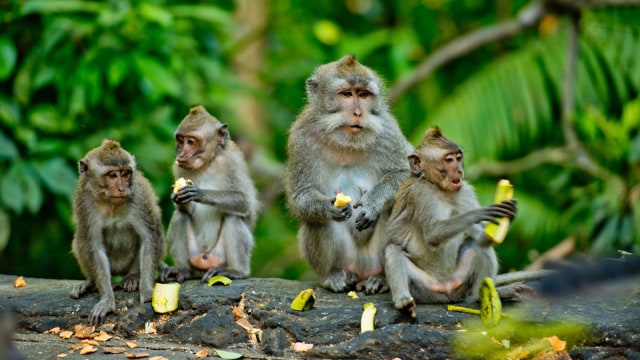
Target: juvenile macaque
pixel 437 251
pixel 211 230
pixel 118 227
pixel 345 140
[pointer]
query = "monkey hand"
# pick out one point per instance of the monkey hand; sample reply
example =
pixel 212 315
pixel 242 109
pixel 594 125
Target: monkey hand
pixel 341 213
pixel 102 308
pixel 187 194
pixel 493 212
pixel 366 217
pixel 179 274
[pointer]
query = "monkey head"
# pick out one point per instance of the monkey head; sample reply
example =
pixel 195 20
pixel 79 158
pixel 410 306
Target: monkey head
pixel 348 97
pixel 108 168
pixel 439 160
pixel 199 137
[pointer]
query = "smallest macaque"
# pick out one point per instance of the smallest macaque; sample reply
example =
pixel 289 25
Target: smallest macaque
pixel 437 251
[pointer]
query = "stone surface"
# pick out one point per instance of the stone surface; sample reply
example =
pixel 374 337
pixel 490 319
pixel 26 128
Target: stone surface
pixel 596 325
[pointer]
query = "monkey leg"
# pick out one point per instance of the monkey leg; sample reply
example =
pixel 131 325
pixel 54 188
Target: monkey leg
pixel 233 248
pixel 329 249
pixel 178 238
pixel 397 273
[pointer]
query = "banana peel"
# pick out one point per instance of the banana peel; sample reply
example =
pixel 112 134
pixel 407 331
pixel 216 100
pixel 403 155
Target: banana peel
pixel 490 305
pixel 342 200
pixel 219 279
pixel 165 297
pixel 304 301
pixel 497 232
pixel 368 317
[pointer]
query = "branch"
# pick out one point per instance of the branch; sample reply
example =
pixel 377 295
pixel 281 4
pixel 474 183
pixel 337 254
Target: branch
pixel 559 156
pixel 465 44
pixel 529 16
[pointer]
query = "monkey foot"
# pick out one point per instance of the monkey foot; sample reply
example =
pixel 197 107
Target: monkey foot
pixel 82 288
pixel 168 272
pixel 129 284
pixel 516 292
pixel 205 261
pixel 341 280
pixel 373 285
pixel 101 310
pixel 407 305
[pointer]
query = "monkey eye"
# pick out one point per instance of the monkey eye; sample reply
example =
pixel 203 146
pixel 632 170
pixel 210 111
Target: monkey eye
pixel 191 141
pixel 364 93
pixel 126 175
pixel 112 175
pixel 346 93
pixel 449 158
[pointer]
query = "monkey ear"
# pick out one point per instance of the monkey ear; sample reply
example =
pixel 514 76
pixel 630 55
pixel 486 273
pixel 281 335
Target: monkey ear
pixel 312 86
pixel 83 167
pixel 223 134
pixel 415 164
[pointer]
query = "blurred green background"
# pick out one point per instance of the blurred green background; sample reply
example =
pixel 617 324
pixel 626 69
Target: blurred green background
pixel 74 72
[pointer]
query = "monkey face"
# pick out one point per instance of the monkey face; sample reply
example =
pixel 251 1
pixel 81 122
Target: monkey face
pixel 450 171
pixel 117 184
pixel 189 150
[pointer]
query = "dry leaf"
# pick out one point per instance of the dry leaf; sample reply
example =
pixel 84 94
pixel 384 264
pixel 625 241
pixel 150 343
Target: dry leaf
pixel 137 355
pixel 150 328
pixel 301 346
pixel 88 350
pixel 245 324
pixel 19 282
pixel 113 349
pixel 238 311
pixel 202 354
pixel 76 347
pixel 60 356
pixel 84 332
pixel 54 331
pixel 158 358
pixel 558 345
pixel 102 337
pixel 90 342
pixel 131 345
pixel 66 334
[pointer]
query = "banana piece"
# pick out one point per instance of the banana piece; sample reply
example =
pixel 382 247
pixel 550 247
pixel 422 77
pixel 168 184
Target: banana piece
pixel 165 297
pixel 497 232
pixel 180 183
pixel 219 279
pixel 342 200
pixel 368 317
pixel 304 301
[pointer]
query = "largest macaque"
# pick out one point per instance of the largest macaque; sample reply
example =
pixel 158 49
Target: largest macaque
pixel 119 230
pixel 345 140
pixel 438 252
pixel 211 230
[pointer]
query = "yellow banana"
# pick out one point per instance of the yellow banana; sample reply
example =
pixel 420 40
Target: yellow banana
pixel 304 301
pixel 497 232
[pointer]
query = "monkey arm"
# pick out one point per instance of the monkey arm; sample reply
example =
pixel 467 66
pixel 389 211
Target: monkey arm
pixel 229 201
pixel 379 198
pixel 311 206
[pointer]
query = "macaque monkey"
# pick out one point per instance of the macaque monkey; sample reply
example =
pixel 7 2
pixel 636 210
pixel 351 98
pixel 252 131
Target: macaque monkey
pixel 118 227
pixel 437 251
pixel 345 140
pixel 211 230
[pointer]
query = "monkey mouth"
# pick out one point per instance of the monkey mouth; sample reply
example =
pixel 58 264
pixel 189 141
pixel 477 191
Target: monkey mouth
pixel 456 182
pixel 354 129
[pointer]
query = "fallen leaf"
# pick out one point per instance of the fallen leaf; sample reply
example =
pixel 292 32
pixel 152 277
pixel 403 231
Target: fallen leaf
pixel 150 328
pixel 228 354
pixel 76 347
pixel 84 332
pixel 158 358
pixel 19 282
pixel 66 334
pixel 88 350
pixel 558 345
pixel 90 342
pixel 113 349
pixel 245 324
pixel 131 345
pixel 60 356
pixel 202 354
pixel 137 355
pixel 54 331
pixel 301 346
pixel 238 310
pixel 102 337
